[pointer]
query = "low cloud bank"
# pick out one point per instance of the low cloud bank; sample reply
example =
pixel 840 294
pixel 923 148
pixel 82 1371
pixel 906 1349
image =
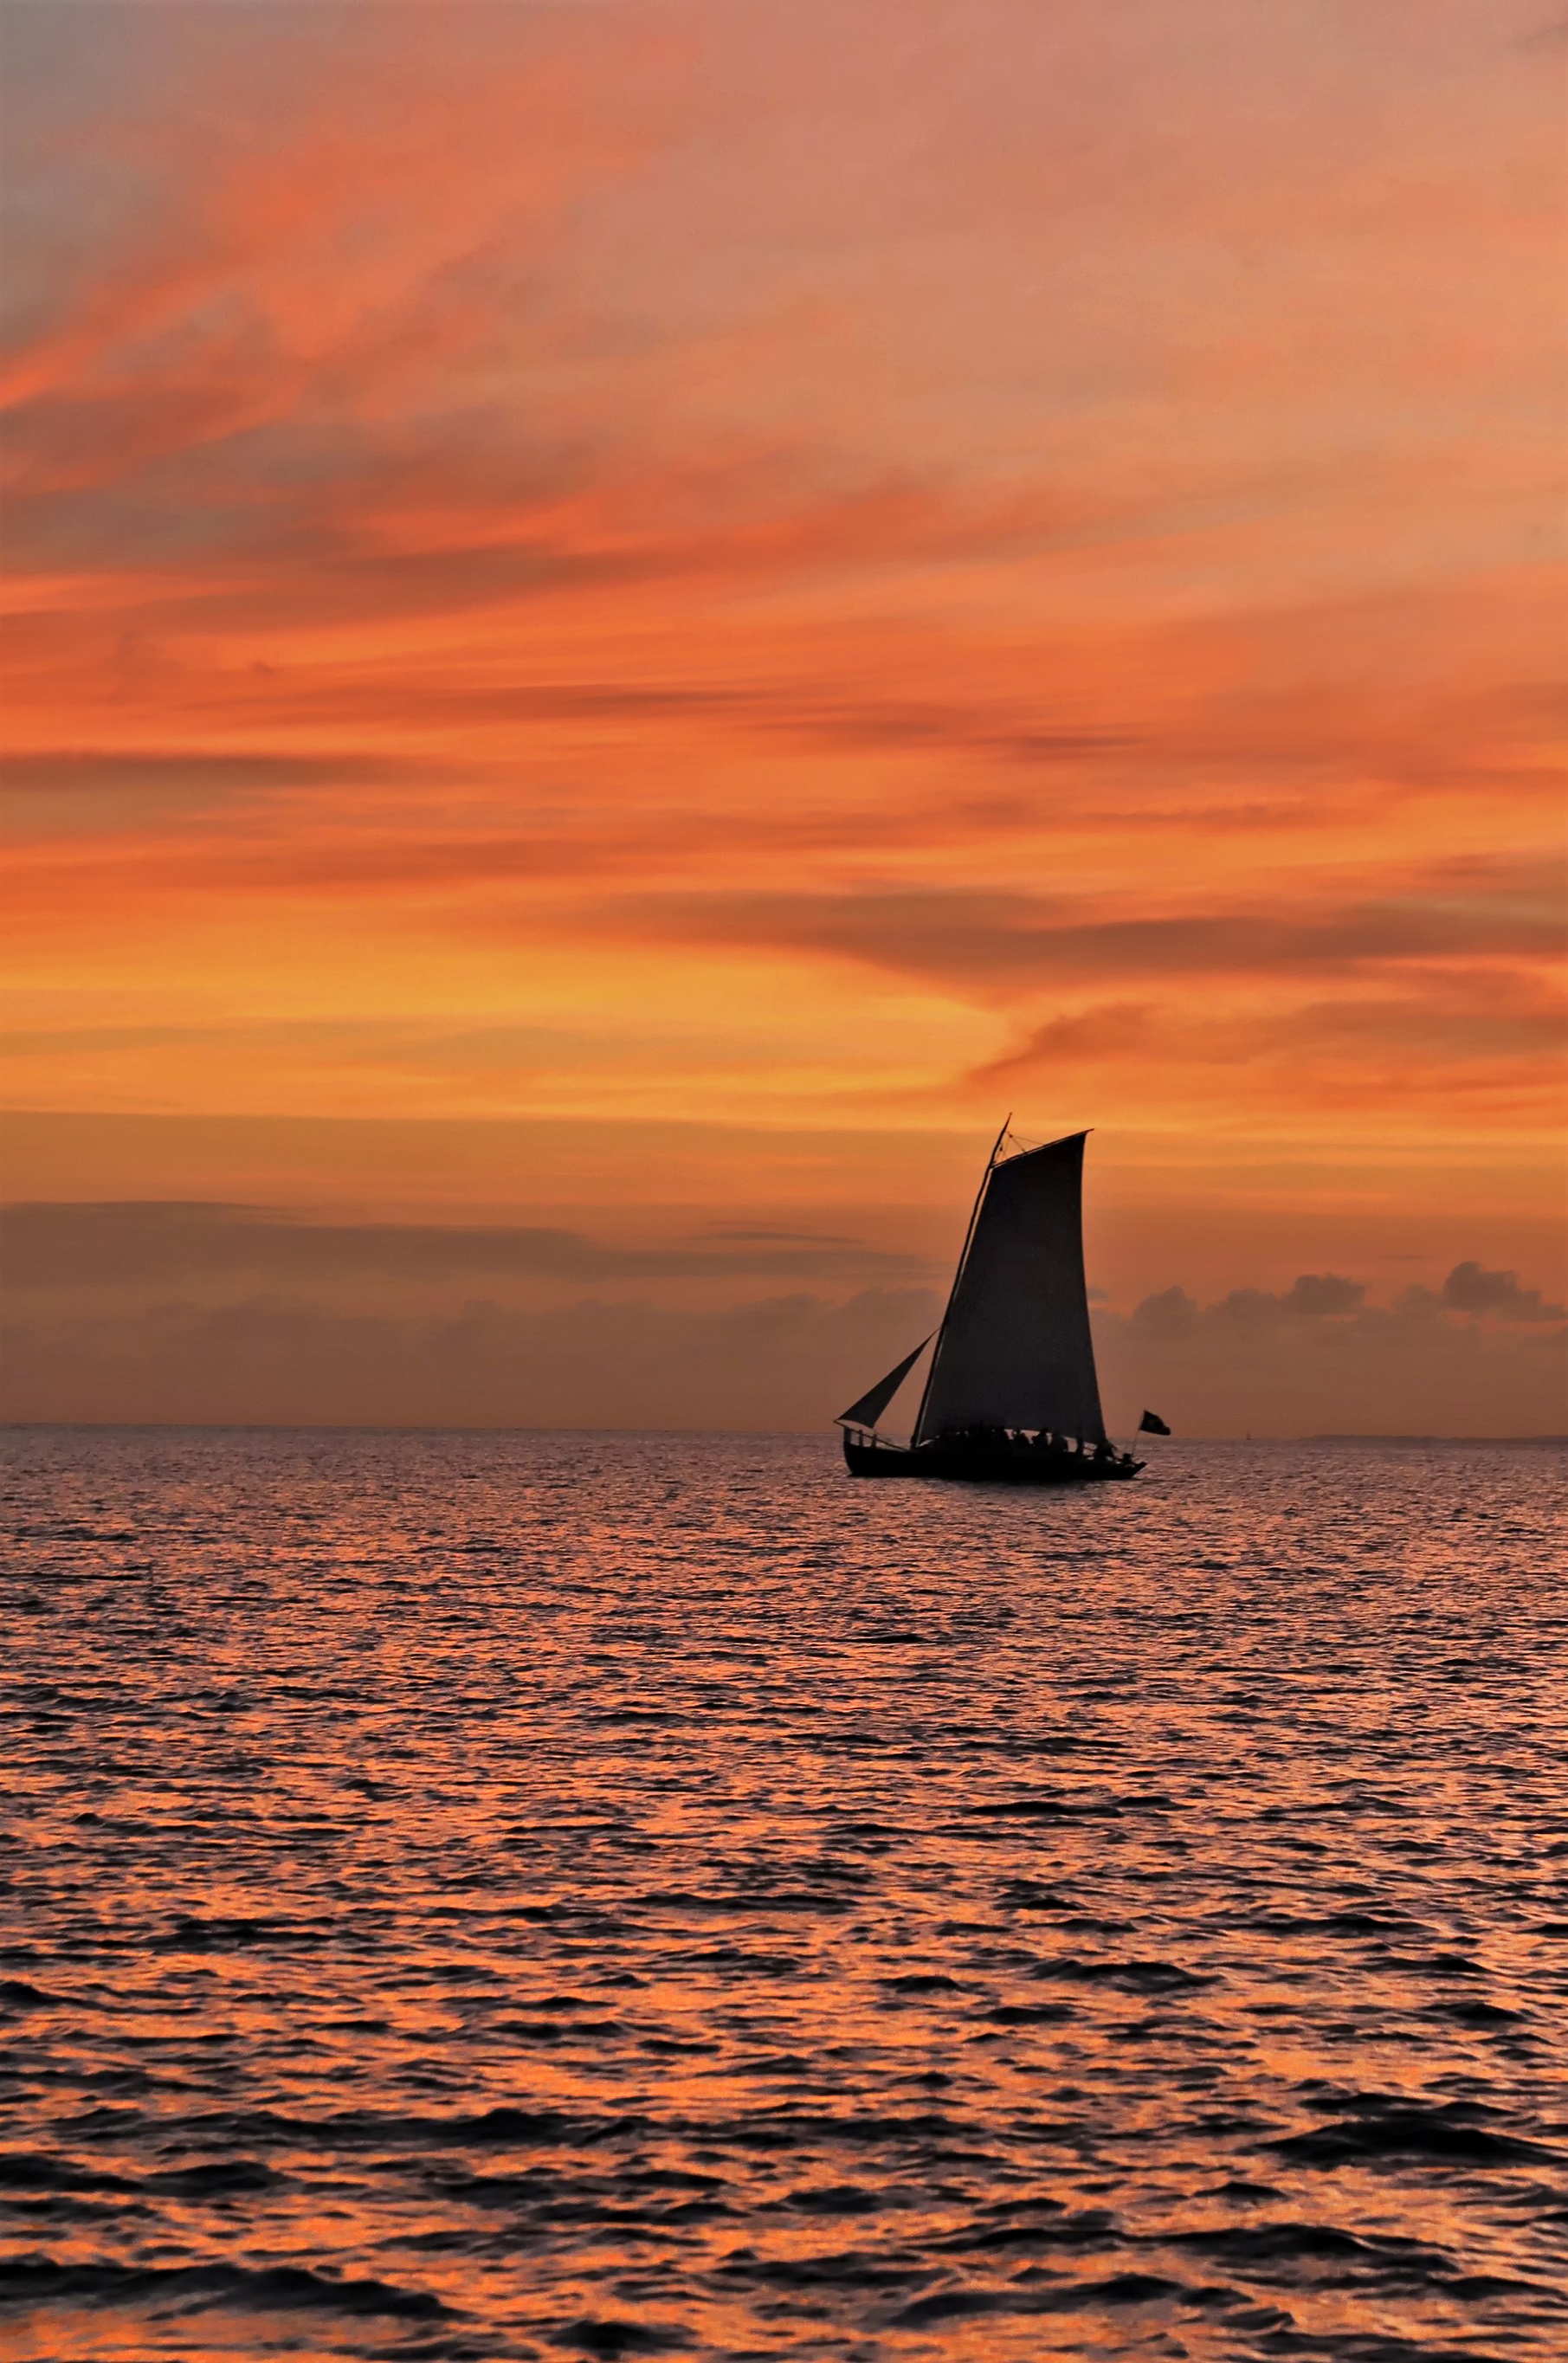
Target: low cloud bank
pixel 786 1363
pixel 1172 1313
pixel 1481 1356
pixel 1468 1289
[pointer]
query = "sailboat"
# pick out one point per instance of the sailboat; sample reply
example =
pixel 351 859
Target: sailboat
pixel 1011 1396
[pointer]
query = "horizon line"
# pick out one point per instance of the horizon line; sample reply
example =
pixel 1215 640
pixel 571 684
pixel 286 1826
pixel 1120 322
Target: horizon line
pixel 425 1427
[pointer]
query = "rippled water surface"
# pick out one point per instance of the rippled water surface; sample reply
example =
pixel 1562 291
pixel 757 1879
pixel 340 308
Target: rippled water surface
pixel 484 1896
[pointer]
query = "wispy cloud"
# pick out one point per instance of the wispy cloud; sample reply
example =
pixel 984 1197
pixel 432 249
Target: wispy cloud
pixel 162 1244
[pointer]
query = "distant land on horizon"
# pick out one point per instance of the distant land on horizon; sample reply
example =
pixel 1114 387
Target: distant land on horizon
pixel 1370 1436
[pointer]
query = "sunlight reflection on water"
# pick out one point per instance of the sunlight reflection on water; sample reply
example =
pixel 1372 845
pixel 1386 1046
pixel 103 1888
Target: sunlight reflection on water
pixel 506 1895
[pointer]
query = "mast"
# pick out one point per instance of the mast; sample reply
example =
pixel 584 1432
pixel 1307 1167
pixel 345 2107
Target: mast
pixel 958 1275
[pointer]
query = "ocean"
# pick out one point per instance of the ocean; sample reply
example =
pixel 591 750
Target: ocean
pixel 483 1896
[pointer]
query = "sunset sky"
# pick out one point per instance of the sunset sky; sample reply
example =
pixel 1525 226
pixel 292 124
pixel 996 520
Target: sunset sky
pixel 628 620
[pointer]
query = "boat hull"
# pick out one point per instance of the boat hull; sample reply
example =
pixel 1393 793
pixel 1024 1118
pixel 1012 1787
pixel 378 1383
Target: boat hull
pixel 976 1464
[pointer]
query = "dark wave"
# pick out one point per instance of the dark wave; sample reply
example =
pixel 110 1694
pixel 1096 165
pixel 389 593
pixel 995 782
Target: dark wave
pixel 277 2289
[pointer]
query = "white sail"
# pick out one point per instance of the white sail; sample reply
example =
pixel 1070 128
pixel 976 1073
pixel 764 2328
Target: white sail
pixel 1015 1348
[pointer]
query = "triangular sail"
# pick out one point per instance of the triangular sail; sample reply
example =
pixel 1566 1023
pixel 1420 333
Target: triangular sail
pixel 1015 1348
pixel 875 1402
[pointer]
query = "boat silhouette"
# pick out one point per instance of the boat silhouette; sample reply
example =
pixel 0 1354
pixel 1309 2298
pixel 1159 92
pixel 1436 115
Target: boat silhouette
pixel 1011 1396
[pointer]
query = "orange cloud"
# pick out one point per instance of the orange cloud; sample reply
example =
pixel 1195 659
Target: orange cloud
pixel 694 565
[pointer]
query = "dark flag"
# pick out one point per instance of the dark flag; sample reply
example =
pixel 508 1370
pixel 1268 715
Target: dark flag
pixel 1153 1425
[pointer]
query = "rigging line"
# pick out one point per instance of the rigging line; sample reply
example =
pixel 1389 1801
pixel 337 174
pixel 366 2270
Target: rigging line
pixel 958 1275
